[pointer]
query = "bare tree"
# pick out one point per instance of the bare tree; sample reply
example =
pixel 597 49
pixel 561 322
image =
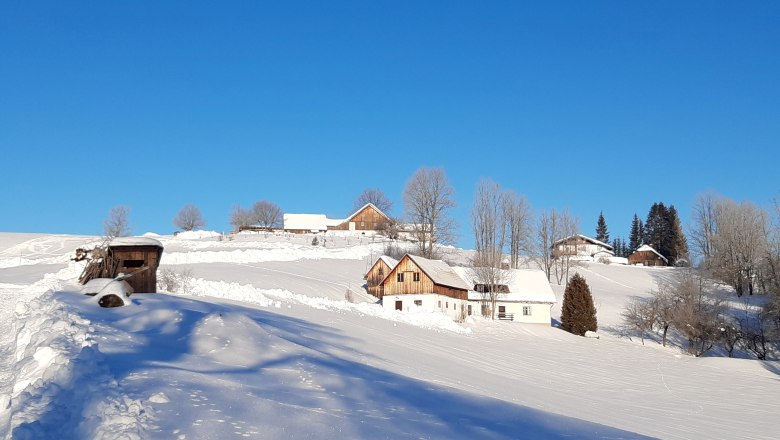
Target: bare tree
pixel 739 243
pixel 551 228
pixel 639 313
pixel 694 315
pixel 543 243
pixel 517 214
pixel 240 217
pixel 704 225
pixel 117 224
pixel 266 214
pixel 428 198
pixel 564 226
pixel 376 197
pixel 189 218
pixel 489 226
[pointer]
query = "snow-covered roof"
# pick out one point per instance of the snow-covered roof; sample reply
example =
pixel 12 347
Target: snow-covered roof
pixel 647 247
pixel 134 241
pixel 390 261
pixel 586 238
pixel 309 222
pixel 439 272
pixel 525 285
pixel 364 207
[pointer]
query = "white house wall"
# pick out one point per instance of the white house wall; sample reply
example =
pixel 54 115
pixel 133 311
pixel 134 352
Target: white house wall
pixel 540 312
pixel 429 302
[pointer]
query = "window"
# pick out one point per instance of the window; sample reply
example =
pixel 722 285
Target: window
pixel 418 302
pixel 469 308
pixel 362 224
pixel 526 310
pixel 447 305
pixel 133 263
pixel 400 277
pixel 439 303
pixel 416 276
pixel 399 305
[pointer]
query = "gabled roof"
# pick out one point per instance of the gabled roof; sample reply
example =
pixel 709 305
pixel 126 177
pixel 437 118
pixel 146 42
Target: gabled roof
pixel 391 262
pixel 438 271
pixel 525 285
pixel 647 247
pixel 586 238
pixel 364 207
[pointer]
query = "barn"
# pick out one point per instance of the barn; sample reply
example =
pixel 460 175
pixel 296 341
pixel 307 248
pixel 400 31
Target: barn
pixel 647 256
pixel 367 218
pixel 417 283
pixel 377 274
pixel 136 254
pixel 582 246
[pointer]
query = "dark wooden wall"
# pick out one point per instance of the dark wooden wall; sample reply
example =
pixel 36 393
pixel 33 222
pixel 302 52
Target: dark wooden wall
pixel 146 281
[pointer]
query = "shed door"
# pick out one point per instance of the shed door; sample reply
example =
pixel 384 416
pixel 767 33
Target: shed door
pixel 399 305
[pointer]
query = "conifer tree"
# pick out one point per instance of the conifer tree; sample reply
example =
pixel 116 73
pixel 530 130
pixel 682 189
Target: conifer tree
pixel 578 314
pixel 637 234
pixel 678 242
pixel 602 234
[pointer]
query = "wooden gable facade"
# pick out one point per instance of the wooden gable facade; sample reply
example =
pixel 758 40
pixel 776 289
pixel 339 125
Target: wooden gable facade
pixel 409 278
pixel 139 259
pixel 376 275
pixel 367 218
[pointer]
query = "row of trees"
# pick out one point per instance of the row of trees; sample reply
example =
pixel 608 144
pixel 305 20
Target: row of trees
pixel 682 304
pixel 738 243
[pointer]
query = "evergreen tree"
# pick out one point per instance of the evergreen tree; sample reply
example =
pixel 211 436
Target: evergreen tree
pixel 678 242
pixel 616 246
pixel 635 238
pixel 578 314
pixel 658 230
pixel 602 234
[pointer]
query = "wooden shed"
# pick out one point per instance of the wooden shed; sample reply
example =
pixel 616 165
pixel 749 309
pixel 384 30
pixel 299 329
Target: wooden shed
pixel 134 254
pixel 647 256
pixel 418 275
pixel 377 274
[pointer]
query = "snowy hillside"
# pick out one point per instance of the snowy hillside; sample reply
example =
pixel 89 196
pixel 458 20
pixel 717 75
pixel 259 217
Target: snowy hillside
pixel 263 345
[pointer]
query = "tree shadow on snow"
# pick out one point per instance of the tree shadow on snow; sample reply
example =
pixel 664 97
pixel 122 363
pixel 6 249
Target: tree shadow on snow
pixel 350 399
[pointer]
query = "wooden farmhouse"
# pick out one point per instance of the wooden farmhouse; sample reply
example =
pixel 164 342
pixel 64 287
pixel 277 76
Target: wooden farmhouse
pixel 647 256
pixel 431 285
pixel 579 245
pixel 136 254
pixel 367 218
pixel 377 274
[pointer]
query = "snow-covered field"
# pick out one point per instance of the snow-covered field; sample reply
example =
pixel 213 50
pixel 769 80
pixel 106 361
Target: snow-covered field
pixel 263 345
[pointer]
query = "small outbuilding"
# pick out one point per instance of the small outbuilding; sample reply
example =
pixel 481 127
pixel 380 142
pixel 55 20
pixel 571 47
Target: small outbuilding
pixel 136 254
pixel 647 256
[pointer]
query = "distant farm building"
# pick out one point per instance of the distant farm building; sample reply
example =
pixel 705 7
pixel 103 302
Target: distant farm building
pixel 377 274
pixel 579 245
pixel 367 218
pixel 647 256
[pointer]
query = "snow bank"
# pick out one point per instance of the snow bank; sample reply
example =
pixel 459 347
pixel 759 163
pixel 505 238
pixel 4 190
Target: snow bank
pixel 274 297
pixel 274 252
pixel 59 385
pixel 196 235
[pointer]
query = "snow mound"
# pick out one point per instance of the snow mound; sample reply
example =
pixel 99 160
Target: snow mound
pixel 197 235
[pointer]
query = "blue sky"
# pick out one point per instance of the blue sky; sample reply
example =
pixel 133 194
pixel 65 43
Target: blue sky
pixel 588 106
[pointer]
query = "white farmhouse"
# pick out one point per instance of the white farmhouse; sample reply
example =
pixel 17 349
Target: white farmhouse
pixel 582 247
pixel 526 296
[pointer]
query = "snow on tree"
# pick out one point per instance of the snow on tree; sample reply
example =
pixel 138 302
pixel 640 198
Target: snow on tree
pixel 578 314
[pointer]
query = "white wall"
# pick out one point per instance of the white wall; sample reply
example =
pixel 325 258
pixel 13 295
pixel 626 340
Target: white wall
pixel 430 302
pixel 540 313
